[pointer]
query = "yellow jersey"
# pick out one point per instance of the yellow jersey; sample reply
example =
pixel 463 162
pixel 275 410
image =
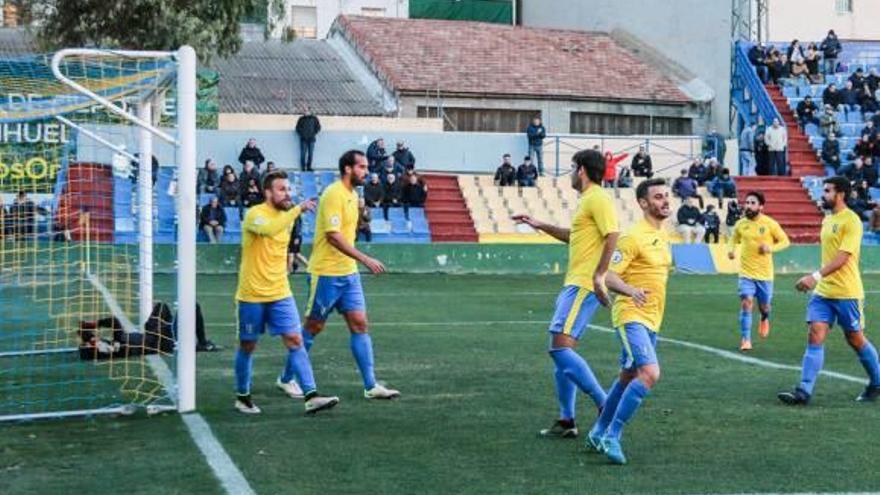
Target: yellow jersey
pixel 842 231
pixel 594 219
pixel 265 236
pixel 643 259
pixel 752 234
pixel 337 212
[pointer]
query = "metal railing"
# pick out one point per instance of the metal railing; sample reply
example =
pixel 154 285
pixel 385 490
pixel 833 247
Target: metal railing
pixel 668 153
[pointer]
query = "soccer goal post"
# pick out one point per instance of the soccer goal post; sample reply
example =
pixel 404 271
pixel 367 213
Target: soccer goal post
pixel 97 173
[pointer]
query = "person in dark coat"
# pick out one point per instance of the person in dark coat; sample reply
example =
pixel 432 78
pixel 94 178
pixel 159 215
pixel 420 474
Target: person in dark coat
pixel 212 220
pixel 374 191
pixel 376 155
pixel 414 194
pixel 230 189
pixel 505 175
pixel 393 194
pixel 307 128
pixel 250 152
pixel 831 48
pixel 404 157
pixel 641 164
pixel 536 133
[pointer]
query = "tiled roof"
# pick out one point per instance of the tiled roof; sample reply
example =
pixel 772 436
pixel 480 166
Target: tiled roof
pixel 275 77
pixel 418 55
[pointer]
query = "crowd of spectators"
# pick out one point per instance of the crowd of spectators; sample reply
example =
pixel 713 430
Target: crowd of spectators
pixel 696 226
pixel 809 63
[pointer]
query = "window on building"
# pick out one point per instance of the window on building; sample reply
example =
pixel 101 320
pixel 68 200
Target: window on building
pixel 843 6
pixel 481 119
pixel 625 125
pixel 304 22
pixel 373 11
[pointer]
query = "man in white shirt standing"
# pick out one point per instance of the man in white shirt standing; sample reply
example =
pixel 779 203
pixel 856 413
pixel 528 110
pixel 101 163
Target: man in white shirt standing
pixel 777 140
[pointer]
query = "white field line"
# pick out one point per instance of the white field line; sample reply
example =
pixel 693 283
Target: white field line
pixel 779 292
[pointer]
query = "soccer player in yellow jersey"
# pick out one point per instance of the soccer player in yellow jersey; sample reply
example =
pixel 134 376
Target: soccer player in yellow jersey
pixel 837 296
pixel 334 281
pixel 639 270
pixel 591 241
pixel 264 297
pixel 760 237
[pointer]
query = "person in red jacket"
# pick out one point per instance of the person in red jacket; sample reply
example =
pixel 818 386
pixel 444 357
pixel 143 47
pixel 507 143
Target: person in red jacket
pixel 611 162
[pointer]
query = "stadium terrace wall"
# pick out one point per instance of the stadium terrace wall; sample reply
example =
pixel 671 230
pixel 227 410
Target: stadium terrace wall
pixel 524 259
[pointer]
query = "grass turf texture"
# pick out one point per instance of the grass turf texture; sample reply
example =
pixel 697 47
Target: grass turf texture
pixel 474 396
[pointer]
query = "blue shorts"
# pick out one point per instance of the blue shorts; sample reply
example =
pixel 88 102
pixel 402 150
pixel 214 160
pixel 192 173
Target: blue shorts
pixel 575 308
pixel 639 345
pixel 761 290
pixel 280 316
pixel 847 312
pixel 344 294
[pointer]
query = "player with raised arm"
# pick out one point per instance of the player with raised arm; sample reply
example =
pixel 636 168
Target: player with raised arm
pixel 264 297
pixel 760 236
pixel 639 272
pixel 837 296
pixel 591 241
pixel 334 281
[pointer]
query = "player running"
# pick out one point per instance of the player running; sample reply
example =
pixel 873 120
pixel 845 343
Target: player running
pixel 838 296
pixel 591 241
pixel 760 237
pixel 639 271
pixel 264 297
pixel 334 281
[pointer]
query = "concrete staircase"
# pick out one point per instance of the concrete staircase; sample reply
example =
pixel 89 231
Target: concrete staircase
pixel 801 156
pixel 447 211
pixel 788 203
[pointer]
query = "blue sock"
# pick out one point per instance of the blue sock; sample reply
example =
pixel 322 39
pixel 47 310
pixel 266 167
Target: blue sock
pixel 308 340
pixel 244 364
pixel 578 371
pixel 868 357
pixel 610 408
pixel 299 365
pixel 814 356
pixel 566 392
pixel 745 324
pixel 362 348
pixel 630 401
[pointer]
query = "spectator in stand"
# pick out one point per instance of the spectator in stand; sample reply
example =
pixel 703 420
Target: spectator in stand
pixel 684 186
pixel 252 195
pixel 734 212
pixel 831 96
pixel 23 215
pixel 641 164
pixel 251 153
pixel 526 173
pixel 831 155
pixel 270 166
pixel 849 98
pixel 611 162
pixel 866 99
pixel 777 141
pixel 374 191
pixel 778 66
pixel 505 175
pixel 212 220
pixel 208 180
pixel 762 154
pixel 807 112
pixel 713 170
pixel 714 146
pixel 869 171
pixel 230 189
pixel 536 134
pixel 864 147
pixel 414 194
pixel 250 171
pixel 798 67
pixel 307 128
pixel 712 224
pixel 857 78
pixel 404 157
pixel 690 222
pixel 723 186
pixel 135 169
pixel 812 60
pixel 392 168
pixel 795 52
pixel 747 150
pixel 873 80
pixel 758 58
pixel 625 177
pixel 365 216
pixel 393 194
pixel 697 171
pixel 376 155
pixel 859 205
pixel 830 50
pixel 869 130
pixel 828 123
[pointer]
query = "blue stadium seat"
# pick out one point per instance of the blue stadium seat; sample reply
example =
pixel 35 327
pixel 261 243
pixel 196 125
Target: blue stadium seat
pixel 811 130
pixel 789 92
pixel 874 193
pixel 233 219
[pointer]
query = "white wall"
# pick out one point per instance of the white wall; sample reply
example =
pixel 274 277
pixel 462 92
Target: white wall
pixel 693 33
pixel 329 10
pixel 811 20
